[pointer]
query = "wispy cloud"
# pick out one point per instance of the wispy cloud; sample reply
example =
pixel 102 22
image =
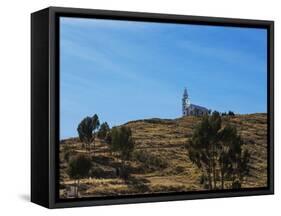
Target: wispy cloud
pixel 229 55
pixel 94 57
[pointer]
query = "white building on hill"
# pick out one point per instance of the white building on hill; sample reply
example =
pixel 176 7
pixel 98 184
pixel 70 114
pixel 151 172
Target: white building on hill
pixel 189 109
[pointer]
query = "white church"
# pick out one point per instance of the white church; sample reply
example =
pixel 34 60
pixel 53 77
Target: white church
pixel 189 109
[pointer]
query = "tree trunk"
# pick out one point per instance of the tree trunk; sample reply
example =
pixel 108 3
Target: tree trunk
pixel 234 172
pixel 85 145
pixel 122 168
pixel 209 177
pixel 222 179
pixel 222 174
pixel 94 140
pixel 214 166
pixel 214 175
pixel 77 187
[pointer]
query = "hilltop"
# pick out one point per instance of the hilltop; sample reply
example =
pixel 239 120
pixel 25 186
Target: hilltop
pixel 160 161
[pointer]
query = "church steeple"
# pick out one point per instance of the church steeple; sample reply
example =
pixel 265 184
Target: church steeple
pixel 189 109
pixel 185 102
pixel 185 95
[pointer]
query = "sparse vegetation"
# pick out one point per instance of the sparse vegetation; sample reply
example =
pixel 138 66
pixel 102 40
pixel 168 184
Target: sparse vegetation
pixel 78 168
pixel 96 124
pixel 151 162
pixel 123 143
pixel 104 129
pixel 160 162
pixel 217 152
pixel 87 130
pixel 68 154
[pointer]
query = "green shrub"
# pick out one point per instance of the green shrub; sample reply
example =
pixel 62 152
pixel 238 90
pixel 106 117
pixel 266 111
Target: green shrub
pixel 68 155
pixel 149 160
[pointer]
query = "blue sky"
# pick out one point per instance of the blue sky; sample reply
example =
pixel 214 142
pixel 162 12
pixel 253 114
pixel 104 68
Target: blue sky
pixel 125 70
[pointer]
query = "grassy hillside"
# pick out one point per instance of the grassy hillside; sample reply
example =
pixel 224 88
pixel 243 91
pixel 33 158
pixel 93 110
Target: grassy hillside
pixel 160 161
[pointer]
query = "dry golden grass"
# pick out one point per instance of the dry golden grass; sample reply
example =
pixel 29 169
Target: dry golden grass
pixel 172 171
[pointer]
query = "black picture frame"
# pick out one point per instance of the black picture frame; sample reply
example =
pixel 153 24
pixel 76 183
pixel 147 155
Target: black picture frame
pixel 45 105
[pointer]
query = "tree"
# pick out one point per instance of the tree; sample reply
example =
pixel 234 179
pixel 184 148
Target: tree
pixel 108 138
pixel 199 149
pixel 217 151
pixel 87 129
pixel 104 129
pixel 239 159
pixel 126 145
pixel 215 124
pixel 108 141
pixel 96 124
pixel 231 113
pixel 244 165
pixel 122 142
pixel 79 167
pixel 227 151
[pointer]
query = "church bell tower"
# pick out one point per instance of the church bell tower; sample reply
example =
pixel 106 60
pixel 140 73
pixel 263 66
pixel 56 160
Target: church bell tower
pixel 185 102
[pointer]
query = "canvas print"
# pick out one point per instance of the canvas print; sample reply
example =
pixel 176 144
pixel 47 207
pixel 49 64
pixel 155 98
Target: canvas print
pixel 158 108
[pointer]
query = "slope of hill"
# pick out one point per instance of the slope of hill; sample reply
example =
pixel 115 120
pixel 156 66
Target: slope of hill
pixel 160 161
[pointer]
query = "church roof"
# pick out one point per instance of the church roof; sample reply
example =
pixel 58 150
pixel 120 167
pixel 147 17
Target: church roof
pixel 193 106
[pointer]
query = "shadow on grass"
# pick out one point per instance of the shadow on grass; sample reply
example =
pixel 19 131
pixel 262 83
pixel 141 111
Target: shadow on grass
pixel 106 161
pixel 137 183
